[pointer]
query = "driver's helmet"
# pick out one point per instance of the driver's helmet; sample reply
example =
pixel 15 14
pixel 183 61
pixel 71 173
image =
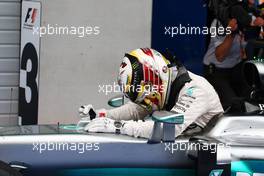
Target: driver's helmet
pixel 144 78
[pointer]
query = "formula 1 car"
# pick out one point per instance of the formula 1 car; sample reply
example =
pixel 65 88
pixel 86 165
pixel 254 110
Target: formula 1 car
pixel 232 145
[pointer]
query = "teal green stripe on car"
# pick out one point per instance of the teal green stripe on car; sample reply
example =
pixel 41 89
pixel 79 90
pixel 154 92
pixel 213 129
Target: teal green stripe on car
pixel 249 167
pixel 128 172
pixel 170 119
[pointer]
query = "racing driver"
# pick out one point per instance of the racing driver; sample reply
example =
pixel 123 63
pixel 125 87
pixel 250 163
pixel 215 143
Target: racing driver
pixel 153 82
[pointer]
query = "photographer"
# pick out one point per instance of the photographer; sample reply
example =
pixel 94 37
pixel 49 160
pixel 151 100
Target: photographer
pixel 222 64
pixel 223 10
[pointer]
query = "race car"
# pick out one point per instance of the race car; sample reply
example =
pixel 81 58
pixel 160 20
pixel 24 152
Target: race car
pixel 232 145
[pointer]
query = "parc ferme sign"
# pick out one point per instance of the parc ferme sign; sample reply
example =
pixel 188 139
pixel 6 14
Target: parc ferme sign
pixel 29 63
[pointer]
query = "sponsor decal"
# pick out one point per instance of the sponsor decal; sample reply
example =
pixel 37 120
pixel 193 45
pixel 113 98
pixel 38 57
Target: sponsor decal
pixel 30 18
pixel 123 65
pixel 165 69
pixel 189 91
pixel 261 106
pixel 217 172
pixel 147 51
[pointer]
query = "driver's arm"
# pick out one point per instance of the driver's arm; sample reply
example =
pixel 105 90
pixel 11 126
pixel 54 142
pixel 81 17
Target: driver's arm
pixel 193 102
pixel 129 111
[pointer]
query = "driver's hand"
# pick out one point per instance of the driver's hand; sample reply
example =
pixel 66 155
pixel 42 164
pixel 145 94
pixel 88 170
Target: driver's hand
pixel 87 111
pixel 101 125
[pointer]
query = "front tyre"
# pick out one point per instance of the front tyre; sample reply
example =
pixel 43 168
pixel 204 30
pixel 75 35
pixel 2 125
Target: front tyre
pixel 6 170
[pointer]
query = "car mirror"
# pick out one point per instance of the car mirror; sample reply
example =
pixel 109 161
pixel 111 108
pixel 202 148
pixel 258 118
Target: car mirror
pixel 165 132
pixel 116 101
pixel 168 117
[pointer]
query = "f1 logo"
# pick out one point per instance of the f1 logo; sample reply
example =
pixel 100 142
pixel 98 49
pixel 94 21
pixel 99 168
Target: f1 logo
pixel 31 14
pixel 217 172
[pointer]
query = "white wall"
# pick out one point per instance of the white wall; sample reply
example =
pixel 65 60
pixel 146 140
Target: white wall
pixel 71 68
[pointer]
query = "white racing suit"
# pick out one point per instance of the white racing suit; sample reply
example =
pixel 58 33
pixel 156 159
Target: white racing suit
pixel 197 100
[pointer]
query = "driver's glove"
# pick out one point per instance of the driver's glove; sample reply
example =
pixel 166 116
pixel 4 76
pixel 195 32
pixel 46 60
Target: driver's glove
pixel 104 125
pixel 88 113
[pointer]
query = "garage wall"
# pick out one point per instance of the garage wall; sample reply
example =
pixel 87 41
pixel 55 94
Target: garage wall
pixel 9 60
pixel 189 48
pixel 72 68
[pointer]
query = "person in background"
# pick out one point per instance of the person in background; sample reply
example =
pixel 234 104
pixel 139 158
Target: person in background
pixel 222 66
pixel 253 32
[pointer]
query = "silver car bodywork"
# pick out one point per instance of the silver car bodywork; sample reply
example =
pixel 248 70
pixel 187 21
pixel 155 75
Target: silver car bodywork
pixel 27 147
